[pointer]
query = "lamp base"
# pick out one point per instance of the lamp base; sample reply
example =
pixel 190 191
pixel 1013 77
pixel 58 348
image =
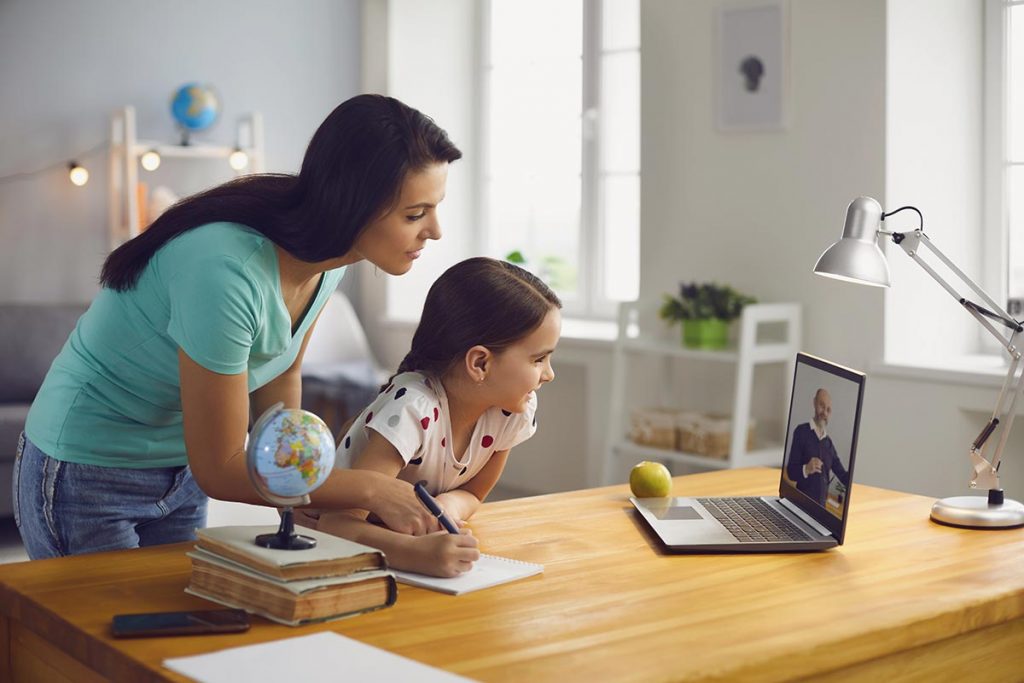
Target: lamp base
pixel 975 512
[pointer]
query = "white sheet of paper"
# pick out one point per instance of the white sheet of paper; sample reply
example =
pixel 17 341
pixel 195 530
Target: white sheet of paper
pixel 316 658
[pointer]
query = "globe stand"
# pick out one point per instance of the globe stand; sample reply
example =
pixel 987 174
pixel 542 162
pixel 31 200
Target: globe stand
pixel 286 538
pixel 305 433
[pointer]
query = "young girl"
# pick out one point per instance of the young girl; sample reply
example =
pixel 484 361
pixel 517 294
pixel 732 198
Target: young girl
pixel 462 398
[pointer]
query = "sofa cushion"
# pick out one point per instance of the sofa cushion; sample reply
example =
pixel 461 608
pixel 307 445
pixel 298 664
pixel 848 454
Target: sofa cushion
pixel 12 422
pixel 31 336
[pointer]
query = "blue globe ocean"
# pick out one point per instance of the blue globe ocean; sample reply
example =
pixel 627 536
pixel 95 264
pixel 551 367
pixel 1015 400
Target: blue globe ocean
pixel 292 452
pixel 195 106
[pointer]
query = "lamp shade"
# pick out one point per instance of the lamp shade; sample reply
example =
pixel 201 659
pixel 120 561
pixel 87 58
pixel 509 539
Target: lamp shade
pixel 856 256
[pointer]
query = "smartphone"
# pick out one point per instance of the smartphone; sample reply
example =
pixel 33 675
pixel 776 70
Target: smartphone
pixel 180 623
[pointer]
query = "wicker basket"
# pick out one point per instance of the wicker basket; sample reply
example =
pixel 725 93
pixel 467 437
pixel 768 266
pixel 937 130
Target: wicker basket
pixel 653 427
pixel 708 435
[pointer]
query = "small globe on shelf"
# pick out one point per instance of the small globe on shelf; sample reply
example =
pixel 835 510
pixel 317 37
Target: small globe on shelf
pixel 290 454
pixel 195 107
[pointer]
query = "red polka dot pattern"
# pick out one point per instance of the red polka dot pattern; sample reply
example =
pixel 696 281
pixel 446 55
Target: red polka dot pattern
pixel 487 441
pixel 425 422
pixel 369 416
pixel 444 440
pixel 435 414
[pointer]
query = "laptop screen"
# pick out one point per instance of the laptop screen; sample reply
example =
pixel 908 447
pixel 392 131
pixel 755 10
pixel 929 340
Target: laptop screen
pixel 821 440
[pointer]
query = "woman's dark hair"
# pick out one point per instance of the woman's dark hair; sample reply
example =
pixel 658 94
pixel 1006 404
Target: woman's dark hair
pixel 351 175
pixel 477 301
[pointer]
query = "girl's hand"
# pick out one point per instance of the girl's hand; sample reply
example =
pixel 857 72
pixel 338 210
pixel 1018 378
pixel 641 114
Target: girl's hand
pixel 396 505
pixel 453 508
pixel 441 554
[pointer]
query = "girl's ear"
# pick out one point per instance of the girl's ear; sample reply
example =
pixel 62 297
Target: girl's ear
pixel 478 362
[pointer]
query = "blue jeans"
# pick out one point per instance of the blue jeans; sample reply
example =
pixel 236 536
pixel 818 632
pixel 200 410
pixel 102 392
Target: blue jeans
pixel 64 508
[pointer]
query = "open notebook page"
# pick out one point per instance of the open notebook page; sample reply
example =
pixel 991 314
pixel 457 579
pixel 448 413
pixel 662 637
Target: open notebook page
pixel 489 570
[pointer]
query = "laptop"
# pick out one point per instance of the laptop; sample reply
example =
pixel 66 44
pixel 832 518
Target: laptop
pixel 814 482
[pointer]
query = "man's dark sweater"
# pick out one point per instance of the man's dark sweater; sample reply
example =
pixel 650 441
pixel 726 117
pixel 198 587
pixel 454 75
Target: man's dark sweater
pixel 807 445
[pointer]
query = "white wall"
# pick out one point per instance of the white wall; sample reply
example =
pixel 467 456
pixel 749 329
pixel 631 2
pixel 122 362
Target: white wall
pixel 884 100
pixel 757 209
pixel 66 65
pixel 425 55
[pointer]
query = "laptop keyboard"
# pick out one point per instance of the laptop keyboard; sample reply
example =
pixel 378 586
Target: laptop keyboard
pixel 752 520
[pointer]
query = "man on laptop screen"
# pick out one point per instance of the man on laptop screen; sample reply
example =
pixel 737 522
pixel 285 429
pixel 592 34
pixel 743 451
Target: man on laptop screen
pixel 814 483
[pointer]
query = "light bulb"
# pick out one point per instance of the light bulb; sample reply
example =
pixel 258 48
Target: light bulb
pixel 77 174
pixel 238 160
pixel 150 160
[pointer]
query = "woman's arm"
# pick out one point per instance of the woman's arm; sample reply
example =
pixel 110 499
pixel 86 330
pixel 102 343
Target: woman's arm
pixel 215 410
pixel 461 503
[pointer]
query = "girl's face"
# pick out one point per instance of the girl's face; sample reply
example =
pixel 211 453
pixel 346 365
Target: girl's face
pixel 395 240
pixel 524 366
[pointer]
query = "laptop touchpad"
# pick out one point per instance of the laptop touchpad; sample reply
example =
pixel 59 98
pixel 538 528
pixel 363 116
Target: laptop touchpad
pixel 677 512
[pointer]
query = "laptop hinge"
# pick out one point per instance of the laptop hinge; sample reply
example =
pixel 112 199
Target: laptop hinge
pixel 808 520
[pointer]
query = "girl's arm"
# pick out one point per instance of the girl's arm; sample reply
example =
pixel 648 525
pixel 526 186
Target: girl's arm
pixel 215 410
pixel 438 554
pixel 461 503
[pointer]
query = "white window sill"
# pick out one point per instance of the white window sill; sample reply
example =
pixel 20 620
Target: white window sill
pixel 575 331
pixel 979 370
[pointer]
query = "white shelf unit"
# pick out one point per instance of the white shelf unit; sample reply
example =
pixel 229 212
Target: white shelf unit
pixel 747 353
pixel 126 219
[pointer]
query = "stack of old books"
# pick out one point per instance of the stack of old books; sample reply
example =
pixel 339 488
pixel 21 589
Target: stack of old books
pixel 337 578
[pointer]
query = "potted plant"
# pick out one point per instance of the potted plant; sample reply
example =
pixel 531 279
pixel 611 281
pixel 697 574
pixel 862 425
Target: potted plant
pixel 705 310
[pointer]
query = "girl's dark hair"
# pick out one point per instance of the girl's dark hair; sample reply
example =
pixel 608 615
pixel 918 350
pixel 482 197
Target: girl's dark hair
pixel 351 175
pixel 477 301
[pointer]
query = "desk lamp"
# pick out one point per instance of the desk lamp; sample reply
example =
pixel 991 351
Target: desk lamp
pixel 857 258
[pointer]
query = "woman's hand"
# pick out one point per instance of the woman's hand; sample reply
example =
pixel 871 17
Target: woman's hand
pixel 440 554
pixel 395 503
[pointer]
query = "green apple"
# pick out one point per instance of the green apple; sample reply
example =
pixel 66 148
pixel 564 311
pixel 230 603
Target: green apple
pixel 650 480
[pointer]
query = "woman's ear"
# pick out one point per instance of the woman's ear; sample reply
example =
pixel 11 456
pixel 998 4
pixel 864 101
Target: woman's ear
pixel 478 362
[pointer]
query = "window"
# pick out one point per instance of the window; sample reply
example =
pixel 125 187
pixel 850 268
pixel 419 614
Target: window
pixel 561 145
pixel 1005 149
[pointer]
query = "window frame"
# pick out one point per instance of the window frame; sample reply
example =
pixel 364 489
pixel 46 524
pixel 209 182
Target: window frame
pixel 995 213
pixel 590 301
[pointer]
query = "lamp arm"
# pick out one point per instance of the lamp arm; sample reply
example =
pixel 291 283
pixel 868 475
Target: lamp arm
pixel 985 472
pixel 911 243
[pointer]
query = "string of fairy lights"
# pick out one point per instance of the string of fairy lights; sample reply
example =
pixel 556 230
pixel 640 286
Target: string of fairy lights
pixel 78 174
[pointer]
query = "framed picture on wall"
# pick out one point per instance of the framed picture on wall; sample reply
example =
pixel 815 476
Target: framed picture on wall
pixel 751 66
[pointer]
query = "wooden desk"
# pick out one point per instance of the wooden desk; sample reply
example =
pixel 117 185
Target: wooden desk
pixel 904 599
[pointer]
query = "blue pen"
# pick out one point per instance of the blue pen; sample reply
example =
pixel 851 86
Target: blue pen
pixel 435 509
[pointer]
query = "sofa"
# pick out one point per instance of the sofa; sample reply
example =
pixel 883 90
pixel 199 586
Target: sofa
pixel 31 336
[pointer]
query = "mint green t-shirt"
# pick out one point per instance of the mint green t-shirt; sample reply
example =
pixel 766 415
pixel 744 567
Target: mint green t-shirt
pixel 113 397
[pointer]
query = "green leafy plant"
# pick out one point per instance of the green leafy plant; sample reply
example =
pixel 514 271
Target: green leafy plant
pixel 703 301
pixel 558 273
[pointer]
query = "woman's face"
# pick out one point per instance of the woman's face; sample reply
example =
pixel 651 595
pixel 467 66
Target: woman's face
pixel 395 240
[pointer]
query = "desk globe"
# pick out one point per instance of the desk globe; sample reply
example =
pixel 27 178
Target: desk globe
pixel 195 107
pixel 289 455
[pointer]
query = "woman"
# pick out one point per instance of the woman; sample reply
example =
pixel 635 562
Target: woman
pixel 202 321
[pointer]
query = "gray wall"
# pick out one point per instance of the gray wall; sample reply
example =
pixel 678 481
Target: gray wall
pixel 66 65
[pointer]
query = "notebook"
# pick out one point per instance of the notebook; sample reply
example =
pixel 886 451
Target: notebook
pixel 815 480
pixel 489 570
